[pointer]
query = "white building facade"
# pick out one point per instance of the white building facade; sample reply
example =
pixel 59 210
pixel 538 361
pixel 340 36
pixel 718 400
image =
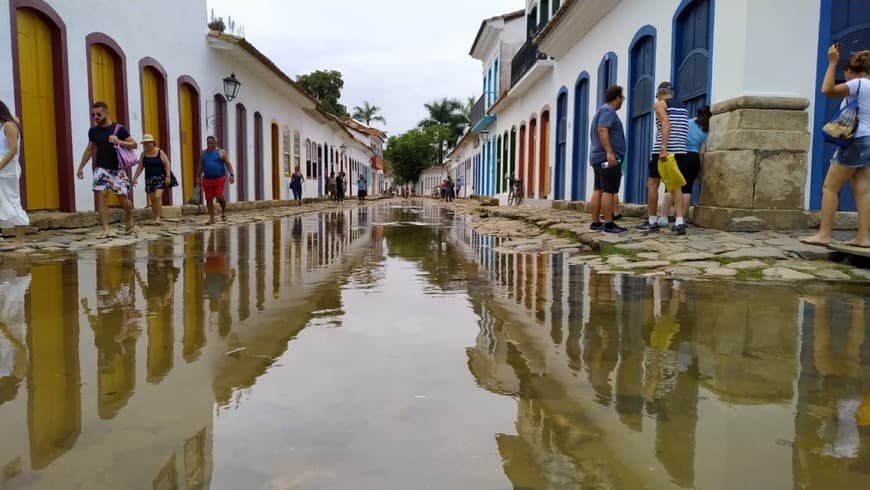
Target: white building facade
pixel 62 58
pixel 759 64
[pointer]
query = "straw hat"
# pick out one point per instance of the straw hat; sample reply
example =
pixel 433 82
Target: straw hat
pixel 147 138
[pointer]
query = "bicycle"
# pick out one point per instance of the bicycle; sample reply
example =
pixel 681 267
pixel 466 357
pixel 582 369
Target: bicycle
pixel 516 195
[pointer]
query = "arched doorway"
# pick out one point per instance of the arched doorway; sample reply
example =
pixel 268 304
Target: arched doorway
pixel 276 162
pixel 606 74
pixel 641 87
pixel 107 82
pixel 693 37
pixel 42 93
pixel 499 176
pixel 259 179
pixel 533 168
pixel 241 152
pixel 220 121
pixel 544 161
pixel 322 167
pixel 849 24
pixel 580 150
pixel 155 120
pixel 513 153
pixel 521 164
pixel 561 144
pixel 191 128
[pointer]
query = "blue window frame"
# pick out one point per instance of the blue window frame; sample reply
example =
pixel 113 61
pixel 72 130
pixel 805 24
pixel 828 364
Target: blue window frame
pixel 641 94
pixel 561 144
pixel 580 150
pixel 606 74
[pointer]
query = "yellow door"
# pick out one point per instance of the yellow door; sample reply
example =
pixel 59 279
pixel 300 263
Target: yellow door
pixel 103 87
pixel 36 69
pixel 185 100
pixel 151 117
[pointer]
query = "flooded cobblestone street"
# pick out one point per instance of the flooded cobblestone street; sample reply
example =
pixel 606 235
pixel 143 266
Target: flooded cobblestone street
pixel 395 347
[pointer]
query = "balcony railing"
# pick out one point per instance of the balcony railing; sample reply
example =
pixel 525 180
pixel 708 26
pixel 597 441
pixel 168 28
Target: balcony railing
pixel 524 60
pixel 478 110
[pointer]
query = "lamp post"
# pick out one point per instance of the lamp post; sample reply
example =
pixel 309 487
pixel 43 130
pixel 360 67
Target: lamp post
pixel 231 87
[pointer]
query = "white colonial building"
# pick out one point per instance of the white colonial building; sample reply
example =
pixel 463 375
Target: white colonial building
pixel 759 64
pixel 61 58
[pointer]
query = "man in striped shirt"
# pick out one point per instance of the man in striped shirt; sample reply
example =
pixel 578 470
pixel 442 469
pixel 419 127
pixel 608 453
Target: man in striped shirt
pixel 672 135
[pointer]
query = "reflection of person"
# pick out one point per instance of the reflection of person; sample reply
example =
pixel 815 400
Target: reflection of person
pixel 158 175
pixel 159 293
pixel 13 330
pixel 103 137
pixel 218 279
pixel 11 212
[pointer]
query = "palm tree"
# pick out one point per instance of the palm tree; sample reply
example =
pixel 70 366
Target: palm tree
pixel 469 106
pixel 449 114
pixel 368 113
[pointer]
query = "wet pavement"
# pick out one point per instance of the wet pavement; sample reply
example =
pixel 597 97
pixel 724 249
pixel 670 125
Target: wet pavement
pixel 394 346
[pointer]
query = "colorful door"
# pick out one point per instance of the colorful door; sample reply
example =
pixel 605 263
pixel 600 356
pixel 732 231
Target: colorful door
pixel 276 170
pixel 640 123
pixel 692 41
pixel 241 152
pixel 103 88
pixel 849 24
pixel 533 168
pixel 561 145
pixel 186 101
pixel 38 102
pixel 259 179
pixel 580 151
pixel 544 163
pixel 151 117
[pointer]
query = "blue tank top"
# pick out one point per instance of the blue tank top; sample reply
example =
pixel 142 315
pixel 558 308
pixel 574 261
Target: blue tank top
pixel 213 165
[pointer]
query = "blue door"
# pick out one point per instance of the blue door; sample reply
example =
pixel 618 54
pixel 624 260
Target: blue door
pixel 640 113
pixel 580 151
pixel 847 22
pixel 606 75
pixel 693 39
pixel 561 144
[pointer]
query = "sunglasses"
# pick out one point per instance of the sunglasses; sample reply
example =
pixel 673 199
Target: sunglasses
pixel 96 114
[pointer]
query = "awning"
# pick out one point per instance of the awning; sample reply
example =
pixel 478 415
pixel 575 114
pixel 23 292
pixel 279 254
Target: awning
pixel 484 123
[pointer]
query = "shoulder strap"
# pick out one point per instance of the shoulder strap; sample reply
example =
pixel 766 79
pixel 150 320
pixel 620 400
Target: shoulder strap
pixel 115 131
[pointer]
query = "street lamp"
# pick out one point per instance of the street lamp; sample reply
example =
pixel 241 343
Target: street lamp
pixel 485 134
pixel 231 87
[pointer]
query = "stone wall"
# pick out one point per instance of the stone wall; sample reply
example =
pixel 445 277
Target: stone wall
pixel 756 163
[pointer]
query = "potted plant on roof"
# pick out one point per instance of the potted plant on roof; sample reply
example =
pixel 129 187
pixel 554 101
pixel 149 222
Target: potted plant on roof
pixel 217 25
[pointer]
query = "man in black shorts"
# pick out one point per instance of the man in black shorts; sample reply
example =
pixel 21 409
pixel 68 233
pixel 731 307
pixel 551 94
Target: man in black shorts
pixel 607 138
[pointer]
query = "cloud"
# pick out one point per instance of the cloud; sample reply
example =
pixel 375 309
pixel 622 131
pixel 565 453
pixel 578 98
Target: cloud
pixel 396 54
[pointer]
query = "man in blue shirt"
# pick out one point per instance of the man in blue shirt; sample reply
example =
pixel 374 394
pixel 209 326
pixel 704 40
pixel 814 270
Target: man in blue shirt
pixel 607 149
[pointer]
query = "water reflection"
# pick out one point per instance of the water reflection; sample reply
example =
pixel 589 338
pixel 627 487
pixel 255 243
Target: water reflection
pixel 699 382
pixel 585 380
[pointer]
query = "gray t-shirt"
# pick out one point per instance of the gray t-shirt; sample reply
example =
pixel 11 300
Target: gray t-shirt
pixel 606 117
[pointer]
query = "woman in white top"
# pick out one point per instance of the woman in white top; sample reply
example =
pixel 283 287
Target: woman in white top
pixel 850 162
pixel 11 212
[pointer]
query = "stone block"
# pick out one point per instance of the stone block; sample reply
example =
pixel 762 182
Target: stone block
pixel 760 102
pixel 728 179
pixel 748 224
pixel 780 180
pixel 771 119
pixel 757 139
pixel 782 219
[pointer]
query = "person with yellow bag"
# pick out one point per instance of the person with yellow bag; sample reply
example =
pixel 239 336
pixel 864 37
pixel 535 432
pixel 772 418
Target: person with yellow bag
pixel 668 153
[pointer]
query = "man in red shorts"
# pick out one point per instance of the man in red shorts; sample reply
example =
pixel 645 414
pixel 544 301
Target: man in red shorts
pixel 213 175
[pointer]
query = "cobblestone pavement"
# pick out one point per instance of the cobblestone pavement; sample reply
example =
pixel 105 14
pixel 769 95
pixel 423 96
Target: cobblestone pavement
pixel 701 254
pixel 54 242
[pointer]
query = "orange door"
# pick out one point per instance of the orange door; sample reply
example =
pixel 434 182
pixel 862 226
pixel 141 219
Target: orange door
pixel 39 131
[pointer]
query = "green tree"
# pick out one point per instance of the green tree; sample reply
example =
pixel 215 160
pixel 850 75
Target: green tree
pixel 368 113
pixel 325 86
pixel 414 151
pixel 446 113
pixel 469 106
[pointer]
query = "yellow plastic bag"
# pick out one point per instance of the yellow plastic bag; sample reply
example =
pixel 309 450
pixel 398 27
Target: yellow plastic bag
pixel 670 172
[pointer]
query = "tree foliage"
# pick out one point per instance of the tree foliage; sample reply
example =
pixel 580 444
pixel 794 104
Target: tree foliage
pixel 449 114
pixel 325 86
pixel 368 113
pixel 414 151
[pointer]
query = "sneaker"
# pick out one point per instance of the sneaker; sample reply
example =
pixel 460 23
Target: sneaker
pixel 679 230
pixel 613 228
pixel 648 226
pixel 596 227
pixel 617 217
pixel 663 222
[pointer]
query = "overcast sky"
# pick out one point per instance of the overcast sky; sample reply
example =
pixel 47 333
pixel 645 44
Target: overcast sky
pixel 397 54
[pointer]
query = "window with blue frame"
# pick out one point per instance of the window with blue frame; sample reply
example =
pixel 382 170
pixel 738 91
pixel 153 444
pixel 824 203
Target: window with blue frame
pixel 606 74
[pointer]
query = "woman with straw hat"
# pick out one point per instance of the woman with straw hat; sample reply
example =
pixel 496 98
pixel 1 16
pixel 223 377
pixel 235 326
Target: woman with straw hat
pixel 158 175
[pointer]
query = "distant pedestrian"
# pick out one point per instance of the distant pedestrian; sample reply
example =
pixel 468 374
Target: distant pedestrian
pixel 340 186
pixel 12 214
pixel 214 167
pixel 158 175
pixel 296 181
pixel 449 189
pixel 330 186
pixel 672 134
pixel 850 162
pixel 607 149
pixel 103 138
pixel 362 188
